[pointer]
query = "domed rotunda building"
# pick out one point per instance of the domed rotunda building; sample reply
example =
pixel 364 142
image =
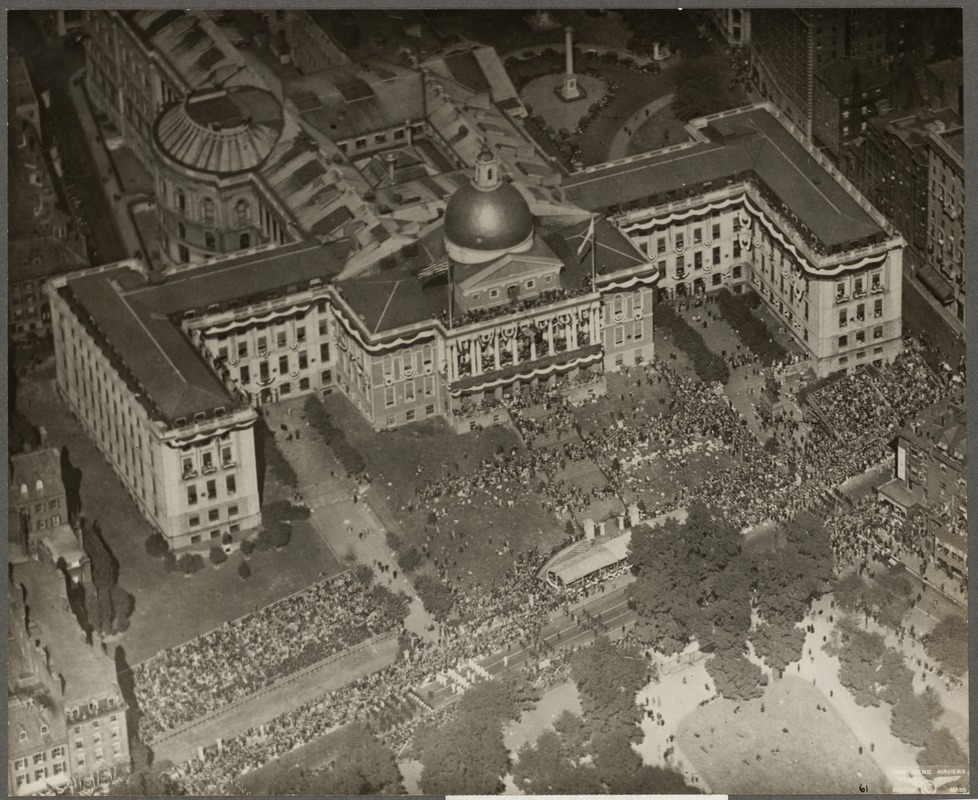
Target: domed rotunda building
pixel 487 218
pixel 208 148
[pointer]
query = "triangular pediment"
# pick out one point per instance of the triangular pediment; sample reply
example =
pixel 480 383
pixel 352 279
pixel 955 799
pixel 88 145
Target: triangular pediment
pixel 513 266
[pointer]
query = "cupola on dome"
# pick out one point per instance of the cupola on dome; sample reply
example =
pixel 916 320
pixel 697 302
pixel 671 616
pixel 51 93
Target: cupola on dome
pixel 487 217
pixel 220 131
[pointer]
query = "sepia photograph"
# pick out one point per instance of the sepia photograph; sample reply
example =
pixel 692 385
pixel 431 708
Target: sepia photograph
pixel 475 401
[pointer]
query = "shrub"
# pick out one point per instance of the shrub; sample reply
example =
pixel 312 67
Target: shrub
pixel 244 570
pixel 364 574
pixel 283 510
pixel 247 547
pixel 280 534
pixel 217 555
pixel 393 541
pixel 263 541
pixel 226 538
pixel 189 563
pixel 156 545
pixel 170 562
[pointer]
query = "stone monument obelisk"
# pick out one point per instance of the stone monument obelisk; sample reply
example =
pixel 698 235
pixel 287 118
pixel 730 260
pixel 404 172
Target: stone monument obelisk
pixel 570 90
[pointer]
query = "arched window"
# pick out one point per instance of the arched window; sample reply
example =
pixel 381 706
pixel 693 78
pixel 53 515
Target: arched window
pixel 242 212
pixel 245 241
pixel 181 199
pixel 207 211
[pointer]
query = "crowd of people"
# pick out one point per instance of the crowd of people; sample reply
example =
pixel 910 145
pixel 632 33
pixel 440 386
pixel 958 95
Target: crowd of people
pixel 802 470
pixel 490 620
pixel 186 682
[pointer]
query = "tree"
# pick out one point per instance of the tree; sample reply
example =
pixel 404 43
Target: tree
pixel 850 592
pixel 465 756
pixel 690 582
pixel 549 767
pixel 361 765
pixel 608 679
pixel 941 749
pixel 123 604
pixel 409 559
pixel 244 571
pixel 914 716
pixel 778 644
pixel 736 677
pixel 281 533
pixel 948 644
pixel 217 554
pixel 435 595
pixel 247 547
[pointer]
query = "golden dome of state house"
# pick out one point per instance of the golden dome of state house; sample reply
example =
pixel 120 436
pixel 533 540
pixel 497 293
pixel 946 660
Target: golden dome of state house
pixel 209 147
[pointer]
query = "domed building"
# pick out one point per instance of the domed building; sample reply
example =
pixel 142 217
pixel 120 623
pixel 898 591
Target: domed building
pixel 207 147
pixel 487 218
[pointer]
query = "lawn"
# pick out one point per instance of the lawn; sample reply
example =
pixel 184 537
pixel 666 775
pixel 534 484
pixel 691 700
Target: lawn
pixel 170 608
pixel 750 753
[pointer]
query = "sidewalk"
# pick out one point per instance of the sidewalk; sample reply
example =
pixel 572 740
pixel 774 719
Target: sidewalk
pixel 339 513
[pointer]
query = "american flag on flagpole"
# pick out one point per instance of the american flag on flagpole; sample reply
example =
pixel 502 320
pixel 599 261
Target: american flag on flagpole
pixel 587 237
pixel 436 268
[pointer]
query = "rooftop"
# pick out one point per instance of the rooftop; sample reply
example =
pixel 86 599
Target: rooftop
pixel 849 76
pixel 750 143
pixel 950 70
pixel 392 297
pixel 38 472
pixel 350 101
pixel 88 673
pixel 221 131
pixel 19 89
pixel 40 257
pixel 138 318
pixel 479 68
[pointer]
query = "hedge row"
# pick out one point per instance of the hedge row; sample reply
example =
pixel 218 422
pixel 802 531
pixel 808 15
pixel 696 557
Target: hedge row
pixel 708 365
pixel 736 310
pixel 335 438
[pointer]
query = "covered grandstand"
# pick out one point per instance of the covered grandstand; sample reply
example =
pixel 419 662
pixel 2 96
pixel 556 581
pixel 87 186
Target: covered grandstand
pixel 591 561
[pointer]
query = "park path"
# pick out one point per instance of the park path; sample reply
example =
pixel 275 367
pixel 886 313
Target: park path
pixel 339 512
pixel 623 137
pixel 871 726
pixel 675 696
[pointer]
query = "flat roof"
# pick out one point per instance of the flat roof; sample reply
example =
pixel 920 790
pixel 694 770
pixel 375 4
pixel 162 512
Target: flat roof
pixel 757 143
pixel 135 316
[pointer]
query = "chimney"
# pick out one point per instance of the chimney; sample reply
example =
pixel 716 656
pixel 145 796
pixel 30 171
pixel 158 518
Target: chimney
pixel 391 163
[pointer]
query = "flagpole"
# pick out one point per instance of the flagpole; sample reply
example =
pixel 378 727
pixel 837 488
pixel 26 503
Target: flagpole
pixel 594 248
pixel 450 293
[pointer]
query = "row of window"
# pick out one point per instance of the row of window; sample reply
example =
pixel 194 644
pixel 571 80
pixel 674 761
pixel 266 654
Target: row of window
pixel 261 343
pixel 264 374
pixel 210 490
pixel 860 337
pixel 409 391
pixel 207 464
pixel 380 138
pixel 410 415
pixel 213 515
pixel 860 315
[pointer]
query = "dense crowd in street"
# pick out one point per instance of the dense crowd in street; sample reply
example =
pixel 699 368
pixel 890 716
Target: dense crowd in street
pixel 515 610
pixel 186 682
